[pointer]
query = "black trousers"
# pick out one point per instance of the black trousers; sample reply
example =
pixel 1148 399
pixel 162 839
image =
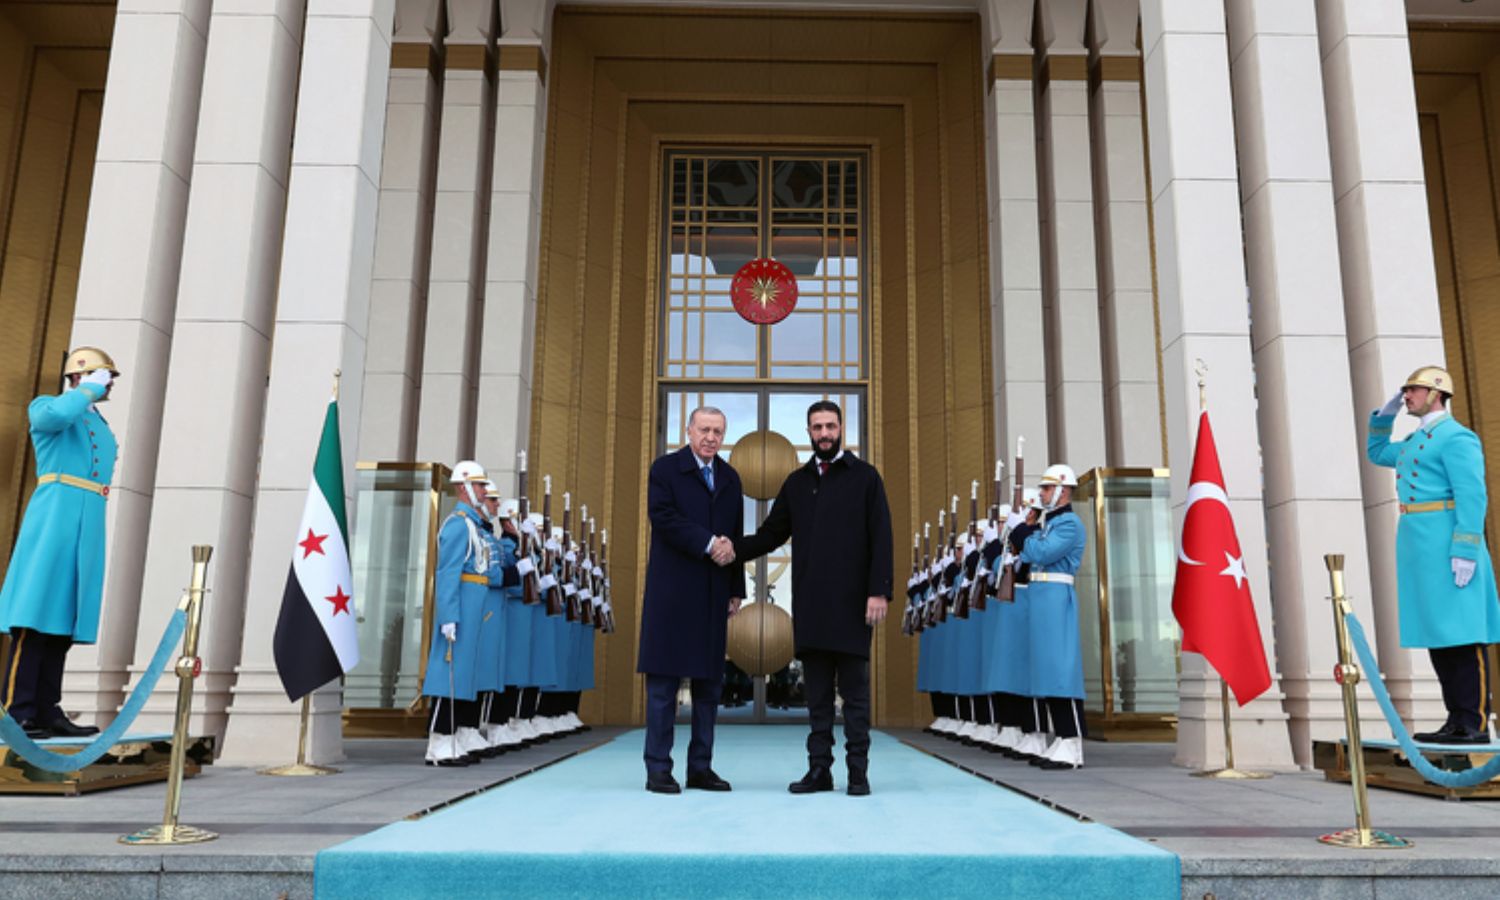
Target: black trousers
pixel 450 715
pixel 1463 672
pixel 661 718
pixel 31 678
pixel 823 672
pixel 1016 711
pixel 1066 715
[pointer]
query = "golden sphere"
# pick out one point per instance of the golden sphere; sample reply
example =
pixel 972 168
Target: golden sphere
pixel 764 459
pixel 760 639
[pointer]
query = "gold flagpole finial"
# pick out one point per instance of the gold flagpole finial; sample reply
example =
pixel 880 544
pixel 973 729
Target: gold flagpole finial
pixel 1201 368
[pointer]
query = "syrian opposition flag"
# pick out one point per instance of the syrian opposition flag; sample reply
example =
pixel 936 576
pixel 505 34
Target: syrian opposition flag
pixel 315 640
pixel 1211 596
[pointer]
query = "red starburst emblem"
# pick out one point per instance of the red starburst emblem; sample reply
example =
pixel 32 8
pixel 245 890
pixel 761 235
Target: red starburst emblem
pixel 764 291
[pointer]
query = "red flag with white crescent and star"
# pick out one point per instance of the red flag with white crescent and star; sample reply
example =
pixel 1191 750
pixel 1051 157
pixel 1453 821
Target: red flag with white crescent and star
pixel 1211 595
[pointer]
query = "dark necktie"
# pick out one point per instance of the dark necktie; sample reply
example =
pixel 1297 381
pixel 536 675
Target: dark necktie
pixel 822 467
pixel 708 476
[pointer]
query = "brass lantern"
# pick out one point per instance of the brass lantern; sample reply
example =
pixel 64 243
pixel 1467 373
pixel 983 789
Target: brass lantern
pixel 764 459
pixel 760 638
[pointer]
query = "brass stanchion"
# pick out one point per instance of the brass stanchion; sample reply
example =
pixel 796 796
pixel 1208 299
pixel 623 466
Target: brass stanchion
pixel 301 766
pixel 188 668
pixel 1361 836
pixel 1229 772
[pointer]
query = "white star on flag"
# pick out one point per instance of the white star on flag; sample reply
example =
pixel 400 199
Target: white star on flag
pixel 1235 569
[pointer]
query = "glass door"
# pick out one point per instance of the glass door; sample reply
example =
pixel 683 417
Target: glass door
pixel 723 209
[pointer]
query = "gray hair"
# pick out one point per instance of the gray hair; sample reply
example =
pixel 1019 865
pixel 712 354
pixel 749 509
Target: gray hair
pixel 707 411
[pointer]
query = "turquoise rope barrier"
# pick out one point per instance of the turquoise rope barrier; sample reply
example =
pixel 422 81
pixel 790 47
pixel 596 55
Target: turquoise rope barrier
pixel 15 736
pixel 1414 755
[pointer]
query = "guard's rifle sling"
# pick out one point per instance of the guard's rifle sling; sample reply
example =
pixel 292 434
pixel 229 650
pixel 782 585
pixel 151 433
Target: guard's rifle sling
pixel 940 589
pixel 1007 588
pixel 569 575
pixel 530 594
pixel 908 617
pixel 554 594
pixel 954 574
pixel 929 610
pixel 971 566
pixel 606 611
pixel 961 561
pixel 992 583
pixel 592 614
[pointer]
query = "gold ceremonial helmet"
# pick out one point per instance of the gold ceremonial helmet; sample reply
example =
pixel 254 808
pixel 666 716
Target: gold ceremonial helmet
pixel 89 359
pixel 1431 377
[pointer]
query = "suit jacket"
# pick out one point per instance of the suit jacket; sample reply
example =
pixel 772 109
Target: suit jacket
pixel 685 609
pixel 840 527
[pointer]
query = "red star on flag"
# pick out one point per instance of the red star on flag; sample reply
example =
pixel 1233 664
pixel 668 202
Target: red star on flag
pixel 340 601
pixel 311 544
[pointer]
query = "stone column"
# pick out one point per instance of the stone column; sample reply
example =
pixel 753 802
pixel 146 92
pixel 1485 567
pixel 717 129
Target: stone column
pixel 403 240
pixel 1015 243
pixel 221 343
pixel 127 294
pixel 1390 282
pixel 1308 437
pixel 455 288
pixel 515 223
pixel 1201 281
pixel 1070 286
pixel 322 313
pixel 1127 304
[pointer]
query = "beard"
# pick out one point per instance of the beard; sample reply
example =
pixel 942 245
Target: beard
pixel 831 451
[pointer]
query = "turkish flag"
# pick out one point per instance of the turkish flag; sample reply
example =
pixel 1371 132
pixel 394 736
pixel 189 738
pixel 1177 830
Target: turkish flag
pixel 1211 595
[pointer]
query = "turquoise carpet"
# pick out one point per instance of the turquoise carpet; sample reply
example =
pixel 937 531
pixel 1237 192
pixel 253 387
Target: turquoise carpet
pixel 587 828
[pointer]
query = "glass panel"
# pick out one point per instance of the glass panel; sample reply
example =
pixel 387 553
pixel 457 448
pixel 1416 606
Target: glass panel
pixel 797 184
pixel 799 249
pixel 389 557
pixel 734 182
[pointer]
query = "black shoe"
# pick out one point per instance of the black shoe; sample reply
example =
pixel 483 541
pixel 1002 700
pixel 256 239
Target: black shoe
pixel 458 763
pixel 706 780
pixel 34 731
pixel 63 727
pixel 1053 765
pixel 817 779
pixel 1462 737
pixel 662 783
pixel 859 786
pixel 1435 737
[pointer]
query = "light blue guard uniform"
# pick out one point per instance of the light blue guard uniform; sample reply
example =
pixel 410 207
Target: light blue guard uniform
pixel 491 664
pixel 518 626
pixel 1440 486
pixel 459 593
pixel 1056 663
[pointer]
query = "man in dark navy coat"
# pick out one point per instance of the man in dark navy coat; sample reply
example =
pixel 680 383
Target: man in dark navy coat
pixel 693 585
pixel 834 509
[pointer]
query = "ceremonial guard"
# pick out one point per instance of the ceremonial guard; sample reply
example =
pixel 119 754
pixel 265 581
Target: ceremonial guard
pixel 53 586
pixel 1054 553
pixel 1445 580
pixel 491 678
pixel 460 591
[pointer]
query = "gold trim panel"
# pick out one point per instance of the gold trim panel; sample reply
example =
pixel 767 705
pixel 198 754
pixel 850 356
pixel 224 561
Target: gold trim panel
pixel 1011 67
pixel 1119 68
pixel 1066 68
pixel 523 58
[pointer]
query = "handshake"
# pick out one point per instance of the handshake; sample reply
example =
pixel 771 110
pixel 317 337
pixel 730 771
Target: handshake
pixel 722 550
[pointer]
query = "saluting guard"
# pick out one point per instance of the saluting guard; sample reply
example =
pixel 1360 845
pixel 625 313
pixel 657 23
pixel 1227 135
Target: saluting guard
pixel 1444 576
pixel 1054 554
pixel 53 586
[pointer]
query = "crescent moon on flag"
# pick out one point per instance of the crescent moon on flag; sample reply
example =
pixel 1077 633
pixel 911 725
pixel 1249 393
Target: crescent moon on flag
pixel 1199 490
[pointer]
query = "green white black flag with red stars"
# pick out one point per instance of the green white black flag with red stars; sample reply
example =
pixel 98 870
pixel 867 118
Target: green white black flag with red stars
pixel 315 639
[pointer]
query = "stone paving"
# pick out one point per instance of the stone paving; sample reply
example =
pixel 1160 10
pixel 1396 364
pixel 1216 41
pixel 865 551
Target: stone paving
pixel 1248 839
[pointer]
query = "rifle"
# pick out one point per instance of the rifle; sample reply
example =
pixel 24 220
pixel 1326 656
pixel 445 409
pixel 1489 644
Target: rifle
pixel 569 575
pixel 606 611
pixel 955 568
pixel 907 625
pixel 939 590
pixel 1007 588
pixel 530 593
pixel 929 613
pixel 976 584
pixel 554 594
pixel 592 615
pixel 992 582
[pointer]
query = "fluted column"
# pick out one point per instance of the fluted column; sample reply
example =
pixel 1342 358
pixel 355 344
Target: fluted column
pixel 455 286
pixel 1390 282
pixel 1127 305
pixel 221 342
pixel 403 241
pixel 1070 285
pixel 1020 371
pixel 1201 280
pixel 127 294
pixel 322 313
pixel 515 224
pixel 1313 503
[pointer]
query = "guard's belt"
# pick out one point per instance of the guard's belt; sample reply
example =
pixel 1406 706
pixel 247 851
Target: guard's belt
pixel 1433 506
pixel 1054 577
pixel 471 578
pixel 73 481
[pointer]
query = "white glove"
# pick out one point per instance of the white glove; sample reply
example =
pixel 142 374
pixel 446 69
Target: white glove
pixel 598 572
pixel 528 528
pixel 554 546
pixel 548 582
pixel 1463 570
pixel 1014 519
pixel 449 630
pixel 570 589
pixel 585 595
pixel 99 378
pixel 525 566
pixel 1393 405
pixel 991 534
pixel 570 557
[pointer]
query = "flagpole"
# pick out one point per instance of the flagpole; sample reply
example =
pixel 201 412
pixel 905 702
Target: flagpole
pixel 1229 771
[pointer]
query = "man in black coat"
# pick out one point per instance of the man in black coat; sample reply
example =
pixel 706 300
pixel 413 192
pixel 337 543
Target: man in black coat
pixel 696 509
pixel 834 510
